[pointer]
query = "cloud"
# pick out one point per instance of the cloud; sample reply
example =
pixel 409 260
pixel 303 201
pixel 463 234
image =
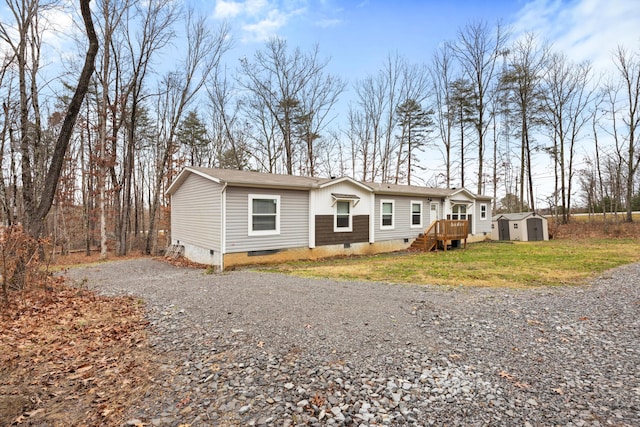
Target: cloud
pixel 259 19
pixel 227 9
pixel 583 29
pixel 328 23
pixel 265 28
pixel 256 7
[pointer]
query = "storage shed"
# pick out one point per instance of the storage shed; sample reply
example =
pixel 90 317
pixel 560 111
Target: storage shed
pixel 525 227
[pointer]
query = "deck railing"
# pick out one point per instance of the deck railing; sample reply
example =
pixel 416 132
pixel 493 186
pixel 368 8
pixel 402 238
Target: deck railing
pixel 445 230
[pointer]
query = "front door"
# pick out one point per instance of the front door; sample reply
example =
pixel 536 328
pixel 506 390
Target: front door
pixel 433 216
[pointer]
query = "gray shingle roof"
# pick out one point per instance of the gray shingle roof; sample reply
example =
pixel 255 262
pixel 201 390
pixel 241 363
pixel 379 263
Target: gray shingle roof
pixel 269 180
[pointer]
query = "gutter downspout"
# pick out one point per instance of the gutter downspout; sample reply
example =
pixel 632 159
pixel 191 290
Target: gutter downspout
pixel 223 225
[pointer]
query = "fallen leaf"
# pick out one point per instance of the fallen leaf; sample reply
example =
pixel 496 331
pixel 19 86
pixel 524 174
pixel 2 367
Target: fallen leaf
pixel 507 375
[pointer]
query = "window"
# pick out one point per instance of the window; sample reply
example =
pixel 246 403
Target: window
pixel 343 216
pixel 515 225
pixel 386 214
pixel 264 215
pixel 459 212
pixel 483 211
pixel 416 214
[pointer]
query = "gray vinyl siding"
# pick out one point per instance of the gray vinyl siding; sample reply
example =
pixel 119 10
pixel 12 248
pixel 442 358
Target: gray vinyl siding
pixel 196 214
pixel 401 218
pixel 294 221
pixel 482 225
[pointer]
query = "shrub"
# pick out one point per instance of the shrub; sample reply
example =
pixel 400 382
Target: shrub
pixel 19 260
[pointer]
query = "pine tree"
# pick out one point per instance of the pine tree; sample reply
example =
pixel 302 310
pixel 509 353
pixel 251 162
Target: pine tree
pixel 192 135
pixel 415 124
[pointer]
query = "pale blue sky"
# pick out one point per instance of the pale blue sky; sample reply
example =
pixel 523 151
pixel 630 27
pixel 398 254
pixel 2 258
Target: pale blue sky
pixel 359 35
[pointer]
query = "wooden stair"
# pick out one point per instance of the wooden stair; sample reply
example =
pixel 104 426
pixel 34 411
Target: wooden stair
pixel 440 234
pixel 424 243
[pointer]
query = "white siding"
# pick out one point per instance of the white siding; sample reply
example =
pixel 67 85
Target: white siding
pixel 401 218
pixel 196 214
pixel 482 225
pixel 324 202
pixel 294 221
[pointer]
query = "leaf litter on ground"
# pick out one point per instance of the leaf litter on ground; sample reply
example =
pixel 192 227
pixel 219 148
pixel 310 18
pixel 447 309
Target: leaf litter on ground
pixel 71 357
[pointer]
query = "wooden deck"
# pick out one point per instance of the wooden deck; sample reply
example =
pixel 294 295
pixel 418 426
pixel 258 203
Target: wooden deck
pixel 440 234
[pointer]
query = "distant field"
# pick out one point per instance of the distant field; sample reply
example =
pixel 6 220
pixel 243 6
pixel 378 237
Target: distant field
pixel 620 216
pixel 500 264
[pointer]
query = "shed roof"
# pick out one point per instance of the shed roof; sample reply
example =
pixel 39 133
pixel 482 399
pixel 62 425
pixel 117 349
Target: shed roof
pixel 515 216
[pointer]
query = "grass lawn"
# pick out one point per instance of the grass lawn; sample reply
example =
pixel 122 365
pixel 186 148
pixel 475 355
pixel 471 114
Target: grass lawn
pixel 503 264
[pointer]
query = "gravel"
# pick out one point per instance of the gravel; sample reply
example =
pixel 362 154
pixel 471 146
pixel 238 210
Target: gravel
pixel 258 349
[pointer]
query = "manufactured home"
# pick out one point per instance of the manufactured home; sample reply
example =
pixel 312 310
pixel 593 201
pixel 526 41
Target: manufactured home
pixel 226 218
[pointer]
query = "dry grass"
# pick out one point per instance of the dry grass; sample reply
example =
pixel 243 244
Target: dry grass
pixel 565 261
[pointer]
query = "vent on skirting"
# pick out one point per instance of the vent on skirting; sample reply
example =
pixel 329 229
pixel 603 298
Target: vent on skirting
pixel 261 253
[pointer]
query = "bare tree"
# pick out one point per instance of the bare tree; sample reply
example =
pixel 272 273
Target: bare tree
pixel 628 65
pixel 6 83
pixel 477 50
pixel 230 133
pixel 442 77
pixel 158 17
pixel 318 98
pixel 263 137
pixel 461 98
pixel 204 51
pixel 366 124
pixel 295 90
pixel 522 82
pixel 373 117
pixel 111 14
pixel 568 96
pixel 38 196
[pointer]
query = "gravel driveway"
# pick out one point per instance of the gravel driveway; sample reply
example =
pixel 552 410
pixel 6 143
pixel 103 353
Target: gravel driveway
pixel 251 348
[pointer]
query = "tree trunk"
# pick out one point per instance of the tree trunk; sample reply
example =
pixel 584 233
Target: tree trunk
pixel 37 216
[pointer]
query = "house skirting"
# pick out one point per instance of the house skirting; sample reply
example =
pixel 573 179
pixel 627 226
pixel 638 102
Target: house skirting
pixel 475 238
pixel 216 259
pixel 200 255
pixel 283 255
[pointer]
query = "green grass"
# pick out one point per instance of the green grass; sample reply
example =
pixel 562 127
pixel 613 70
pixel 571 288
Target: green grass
pixel 520 264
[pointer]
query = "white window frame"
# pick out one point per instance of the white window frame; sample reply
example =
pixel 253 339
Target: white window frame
pixel 393 215
pixel 483 211
pixel 253 232
pixel 455 211
pixel 415 202
pixel 348 229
